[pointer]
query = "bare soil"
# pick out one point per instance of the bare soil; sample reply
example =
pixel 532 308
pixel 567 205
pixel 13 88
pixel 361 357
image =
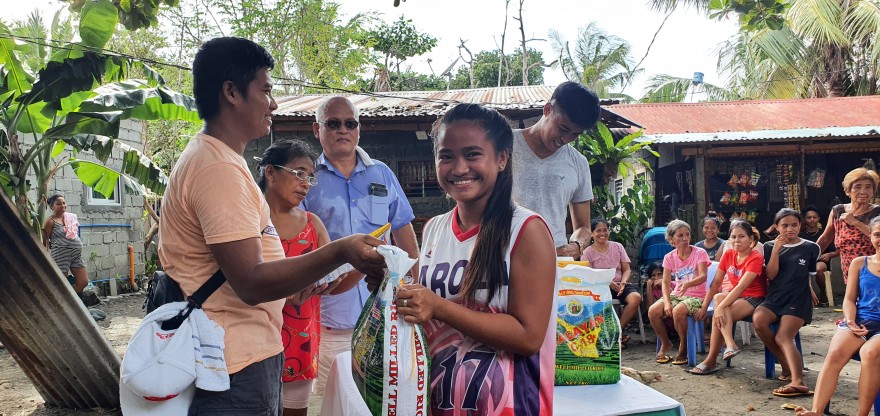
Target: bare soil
pixel 739 390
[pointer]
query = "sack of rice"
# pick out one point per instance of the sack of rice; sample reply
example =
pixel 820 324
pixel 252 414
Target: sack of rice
pixel 587 329
pixel 389 356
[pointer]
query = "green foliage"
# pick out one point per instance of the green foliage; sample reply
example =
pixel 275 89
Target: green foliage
pixel 664 88
pixel 77 100
pixel 599 147
pixel 400 40
pixel 133 14
pixel 599 60
pixel 486 70
pixel 636 206
pixel 628 216
pixel 753 14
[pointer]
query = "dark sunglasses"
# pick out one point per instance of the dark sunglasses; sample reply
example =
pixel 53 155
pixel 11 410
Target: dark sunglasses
pixel 334 124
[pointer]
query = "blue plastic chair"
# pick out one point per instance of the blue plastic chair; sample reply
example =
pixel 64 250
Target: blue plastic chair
pixel 858 358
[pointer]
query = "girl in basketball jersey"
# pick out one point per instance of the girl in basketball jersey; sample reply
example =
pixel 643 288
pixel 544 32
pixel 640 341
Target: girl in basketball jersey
pixel 487 279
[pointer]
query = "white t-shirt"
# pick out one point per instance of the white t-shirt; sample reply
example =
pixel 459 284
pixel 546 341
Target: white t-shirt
pixel 547 186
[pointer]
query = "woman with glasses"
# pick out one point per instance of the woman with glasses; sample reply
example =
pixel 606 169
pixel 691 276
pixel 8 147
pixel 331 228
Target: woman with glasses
pixel 286 176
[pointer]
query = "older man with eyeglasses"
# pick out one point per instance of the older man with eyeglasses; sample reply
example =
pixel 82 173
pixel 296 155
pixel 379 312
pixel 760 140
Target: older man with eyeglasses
pixel 357 195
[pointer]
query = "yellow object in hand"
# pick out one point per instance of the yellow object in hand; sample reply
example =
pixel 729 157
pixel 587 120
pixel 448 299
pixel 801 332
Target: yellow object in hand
pixel 381 230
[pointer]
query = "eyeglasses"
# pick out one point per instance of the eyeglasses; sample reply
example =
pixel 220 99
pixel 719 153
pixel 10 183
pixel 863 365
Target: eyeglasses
pixel 334 124
pixel 312 180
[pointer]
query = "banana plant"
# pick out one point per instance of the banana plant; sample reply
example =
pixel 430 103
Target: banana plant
pixel 76 100
pixel 617 157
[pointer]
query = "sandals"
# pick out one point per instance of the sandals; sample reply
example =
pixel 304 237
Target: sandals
pixel 663 359
pixel 792 391
pixel 784 377
pixel 704 369
pixel 731 353
pixel 680 361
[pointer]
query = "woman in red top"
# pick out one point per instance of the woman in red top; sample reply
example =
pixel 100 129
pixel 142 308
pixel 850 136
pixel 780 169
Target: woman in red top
pixel 744 268
pixel 286 175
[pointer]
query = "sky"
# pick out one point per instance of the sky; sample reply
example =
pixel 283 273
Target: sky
pixel 687 43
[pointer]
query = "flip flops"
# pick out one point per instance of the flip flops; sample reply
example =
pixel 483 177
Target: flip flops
pixel 784 377
pixel 704 369
pixel 680 361
pixel 792 391
pixel 663 359
pixel 731 353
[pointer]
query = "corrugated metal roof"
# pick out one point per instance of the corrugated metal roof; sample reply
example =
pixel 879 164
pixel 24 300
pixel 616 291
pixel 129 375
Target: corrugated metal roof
pixel 435 103
pixel 46 329
pixel 421 103
pixel 860 131
pixel 748 116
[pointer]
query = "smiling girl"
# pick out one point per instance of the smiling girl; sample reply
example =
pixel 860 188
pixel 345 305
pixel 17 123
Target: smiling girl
pixel 488 270
pixel 61 238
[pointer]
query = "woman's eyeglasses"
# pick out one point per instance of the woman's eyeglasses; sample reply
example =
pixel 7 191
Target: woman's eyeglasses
pixel 312 180
pixel 334 124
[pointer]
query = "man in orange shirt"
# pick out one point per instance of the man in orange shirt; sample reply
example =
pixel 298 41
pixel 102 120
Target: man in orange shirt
pixel 214 216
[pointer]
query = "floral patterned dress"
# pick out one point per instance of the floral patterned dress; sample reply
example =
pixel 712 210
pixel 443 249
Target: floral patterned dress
pixel 300 332
pixel 849 240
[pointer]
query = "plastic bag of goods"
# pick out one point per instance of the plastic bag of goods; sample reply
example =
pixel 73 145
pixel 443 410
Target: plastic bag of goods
pixel 587 329
pixel 390 362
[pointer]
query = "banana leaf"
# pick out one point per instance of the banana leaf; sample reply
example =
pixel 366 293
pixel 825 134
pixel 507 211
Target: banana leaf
pixel 138 172
pixel 98 20
pixel 138 100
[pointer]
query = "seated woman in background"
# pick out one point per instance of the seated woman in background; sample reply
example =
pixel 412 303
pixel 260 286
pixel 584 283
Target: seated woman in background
pixel 606 254
pixel 857 333
pixel 686 266
pixel 744 268
pixel 811 231
pixel 790 264
pixel 711 226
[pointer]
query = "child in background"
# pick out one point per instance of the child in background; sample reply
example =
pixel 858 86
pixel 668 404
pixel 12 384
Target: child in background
pixel 61 238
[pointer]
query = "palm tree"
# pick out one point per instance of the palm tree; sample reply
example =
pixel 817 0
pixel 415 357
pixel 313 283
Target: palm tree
pixel 600 61
pixel 824 48
pixel 662 88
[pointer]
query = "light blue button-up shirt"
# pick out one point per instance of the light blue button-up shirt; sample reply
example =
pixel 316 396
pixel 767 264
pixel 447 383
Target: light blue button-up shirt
pixel 346 207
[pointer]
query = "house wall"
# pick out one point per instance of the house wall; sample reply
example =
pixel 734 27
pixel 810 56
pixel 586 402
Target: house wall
pixel 105 248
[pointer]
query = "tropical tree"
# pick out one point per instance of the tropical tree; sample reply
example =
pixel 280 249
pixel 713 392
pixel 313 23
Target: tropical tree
pixel 398 42
pixel 598 60
pixel 662 88
pixel 631 212
pixel 76 100
pixel 798 48
pixel 486 65
pixel 312 45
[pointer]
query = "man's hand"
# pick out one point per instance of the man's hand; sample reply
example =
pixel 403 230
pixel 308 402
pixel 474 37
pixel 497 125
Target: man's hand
pixel 568 250
pixel 700 314
pixel 314 290
pixel 359 250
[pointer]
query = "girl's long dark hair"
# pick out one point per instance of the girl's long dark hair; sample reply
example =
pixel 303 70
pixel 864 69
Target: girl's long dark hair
pixel 486 267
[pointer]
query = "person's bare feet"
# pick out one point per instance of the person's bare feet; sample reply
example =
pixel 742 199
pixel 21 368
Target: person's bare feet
pixel 800 411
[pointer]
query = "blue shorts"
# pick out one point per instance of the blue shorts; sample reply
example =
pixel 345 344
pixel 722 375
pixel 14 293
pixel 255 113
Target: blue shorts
pixel 873 327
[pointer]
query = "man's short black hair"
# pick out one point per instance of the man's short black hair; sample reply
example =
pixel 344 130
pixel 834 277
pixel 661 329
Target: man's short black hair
pixel 577 103
pixel 225 59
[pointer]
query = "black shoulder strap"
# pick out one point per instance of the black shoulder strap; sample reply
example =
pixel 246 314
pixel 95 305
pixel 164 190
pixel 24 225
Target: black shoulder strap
pixel 196 300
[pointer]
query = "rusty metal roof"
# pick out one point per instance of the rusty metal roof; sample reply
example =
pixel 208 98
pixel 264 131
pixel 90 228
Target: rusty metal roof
pixel 431 103
pixel 750 116
pixel 46 328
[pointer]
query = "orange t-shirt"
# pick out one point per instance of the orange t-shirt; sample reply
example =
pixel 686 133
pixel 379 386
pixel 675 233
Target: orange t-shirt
pixel 212 198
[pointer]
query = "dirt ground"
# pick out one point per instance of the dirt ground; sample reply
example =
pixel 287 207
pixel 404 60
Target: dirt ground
pixel 735 391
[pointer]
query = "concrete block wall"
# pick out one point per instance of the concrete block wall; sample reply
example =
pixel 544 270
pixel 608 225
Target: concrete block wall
pixel 105 246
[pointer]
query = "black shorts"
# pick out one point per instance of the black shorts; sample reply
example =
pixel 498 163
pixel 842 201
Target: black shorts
pixel 873 327
pixel 753 301
pixel 627 289
pixel 255 390
pixel 800 308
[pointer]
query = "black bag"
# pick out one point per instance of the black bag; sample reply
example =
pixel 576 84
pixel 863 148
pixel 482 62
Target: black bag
pixel 163 289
